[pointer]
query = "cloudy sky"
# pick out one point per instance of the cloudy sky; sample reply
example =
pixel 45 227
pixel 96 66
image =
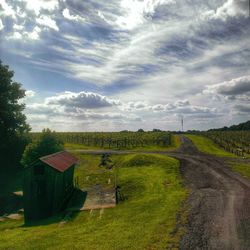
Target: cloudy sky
pixel 93 65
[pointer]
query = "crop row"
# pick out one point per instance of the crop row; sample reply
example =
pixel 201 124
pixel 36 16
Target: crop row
pixel 115 140
pixel 236 142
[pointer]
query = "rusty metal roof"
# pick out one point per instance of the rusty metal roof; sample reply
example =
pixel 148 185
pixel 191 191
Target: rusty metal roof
pixel 60 161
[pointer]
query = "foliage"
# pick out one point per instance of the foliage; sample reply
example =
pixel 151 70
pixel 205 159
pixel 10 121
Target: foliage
pixel 140 130
pixel 47 143
pixel 13 126
pixel 156 130
pixel 240 127
pixel 145 220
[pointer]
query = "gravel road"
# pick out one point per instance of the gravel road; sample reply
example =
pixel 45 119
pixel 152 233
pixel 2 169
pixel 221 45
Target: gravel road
pixel 219 202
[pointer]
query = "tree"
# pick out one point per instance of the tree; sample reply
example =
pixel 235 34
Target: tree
pixel 156 130
pixel 47 143
pixel 13 126
pixel 140 130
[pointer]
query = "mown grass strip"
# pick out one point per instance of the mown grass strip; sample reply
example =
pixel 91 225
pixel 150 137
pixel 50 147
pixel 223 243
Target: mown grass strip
pixel 206 145
pixel 242 168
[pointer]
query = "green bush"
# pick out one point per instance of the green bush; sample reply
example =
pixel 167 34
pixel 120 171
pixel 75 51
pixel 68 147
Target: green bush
pixel 140 160
pixel 47 143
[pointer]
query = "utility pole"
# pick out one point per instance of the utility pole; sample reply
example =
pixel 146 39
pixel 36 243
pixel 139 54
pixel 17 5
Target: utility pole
pixel 182 122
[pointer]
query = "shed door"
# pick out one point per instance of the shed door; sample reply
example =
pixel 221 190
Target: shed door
pixel 39 187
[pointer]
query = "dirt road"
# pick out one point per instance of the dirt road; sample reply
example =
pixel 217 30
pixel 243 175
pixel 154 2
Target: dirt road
pixel 219 201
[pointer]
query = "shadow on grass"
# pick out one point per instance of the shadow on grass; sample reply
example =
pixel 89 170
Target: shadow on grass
pixel 77 201
pixel 10 182
pixel 43 222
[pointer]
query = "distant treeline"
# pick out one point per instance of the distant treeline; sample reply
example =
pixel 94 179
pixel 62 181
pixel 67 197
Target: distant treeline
pixel 240 127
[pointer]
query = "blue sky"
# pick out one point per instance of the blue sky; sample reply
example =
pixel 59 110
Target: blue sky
pixel 128 64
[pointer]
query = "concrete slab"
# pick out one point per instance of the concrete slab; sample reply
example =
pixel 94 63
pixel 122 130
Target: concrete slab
pixel 97 197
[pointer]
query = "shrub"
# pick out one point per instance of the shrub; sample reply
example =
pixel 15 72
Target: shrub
pixel 48 143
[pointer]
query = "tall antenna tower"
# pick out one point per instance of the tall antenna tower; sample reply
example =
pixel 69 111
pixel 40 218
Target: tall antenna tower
pixel 182 122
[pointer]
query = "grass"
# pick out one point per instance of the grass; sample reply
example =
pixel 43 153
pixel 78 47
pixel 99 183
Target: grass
pixel 206 145
pixel 89 173
pixel 242 168
pixel 175 143
pixel 146 219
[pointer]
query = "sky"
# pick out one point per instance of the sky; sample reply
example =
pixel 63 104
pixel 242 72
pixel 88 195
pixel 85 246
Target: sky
pixel 93 65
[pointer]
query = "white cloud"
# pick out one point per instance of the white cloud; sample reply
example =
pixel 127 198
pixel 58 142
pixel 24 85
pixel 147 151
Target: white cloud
pixel 18 27
pixel 233 88
pixel 16 35
pixel 26 35
pixel 37 5
pixel 67 15
pixel 1 25
pixel 137 12
pixel 6 9
pixel 100 14
pixel 134 106
pixel 231 8
pixel 29 93
pixel 47 22
pixel 87 108
pixel 34 35
pixel 83 100
pixel 21 12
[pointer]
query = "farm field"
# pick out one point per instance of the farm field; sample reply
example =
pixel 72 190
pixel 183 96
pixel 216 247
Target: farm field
pixel 175 143
pixel 146 219
pixel 235 142
pixel 117 140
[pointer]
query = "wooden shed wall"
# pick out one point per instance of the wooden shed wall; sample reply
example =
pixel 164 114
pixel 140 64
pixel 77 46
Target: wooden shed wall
pixel 56 191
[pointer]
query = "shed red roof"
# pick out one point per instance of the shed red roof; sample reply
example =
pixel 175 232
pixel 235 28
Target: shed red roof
pixel 60 161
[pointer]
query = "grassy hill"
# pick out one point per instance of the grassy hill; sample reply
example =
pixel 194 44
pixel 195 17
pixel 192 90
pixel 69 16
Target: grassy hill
pixel 147 219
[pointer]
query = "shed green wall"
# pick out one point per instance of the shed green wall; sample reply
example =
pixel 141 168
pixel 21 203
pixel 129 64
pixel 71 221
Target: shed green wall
pixel 58 187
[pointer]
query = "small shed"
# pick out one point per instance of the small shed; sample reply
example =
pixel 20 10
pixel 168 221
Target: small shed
pixel 48 185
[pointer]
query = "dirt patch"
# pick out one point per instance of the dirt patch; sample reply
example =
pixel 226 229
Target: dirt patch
pixel 99 198
pixel 95 197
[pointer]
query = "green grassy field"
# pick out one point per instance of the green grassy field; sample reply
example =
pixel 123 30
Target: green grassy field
pixel 242 168
pixel 206 145
pixel 146 219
